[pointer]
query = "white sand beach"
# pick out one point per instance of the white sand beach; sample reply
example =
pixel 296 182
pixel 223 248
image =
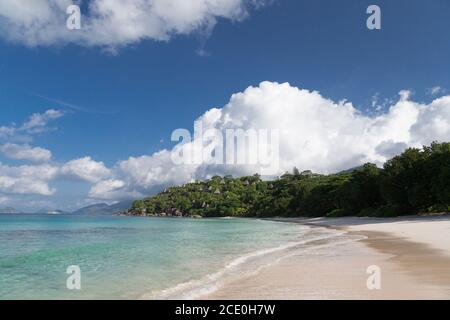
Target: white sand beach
pixel 413 254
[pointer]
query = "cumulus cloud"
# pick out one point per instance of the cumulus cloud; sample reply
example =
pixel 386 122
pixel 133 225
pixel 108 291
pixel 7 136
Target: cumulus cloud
pixel 27 179
pixel 115 23
pixel 25 152
pixel 110 189
pixel 314 133
pixel 389 149
pixel 85 169
pixel 139 176
pixel 35 179
pixel 433 121
pixel 405 94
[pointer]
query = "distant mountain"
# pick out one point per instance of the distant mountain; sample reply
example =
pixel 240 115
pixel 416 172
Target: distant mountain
pixel 103 208
pixel 121 206
pixel 8 210
pixel 94 208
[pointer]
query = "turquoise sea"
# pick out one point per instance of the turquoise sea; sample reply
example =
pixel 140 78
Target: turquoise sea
pixel 134 257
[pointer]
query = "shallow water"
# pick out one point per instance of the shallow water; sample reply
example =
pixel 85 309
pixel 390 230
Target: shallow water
pixel 133 257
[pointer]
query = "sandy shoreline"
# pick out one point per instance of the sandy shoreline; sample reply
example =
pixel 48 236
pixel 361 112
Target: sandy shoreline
pixel 413 254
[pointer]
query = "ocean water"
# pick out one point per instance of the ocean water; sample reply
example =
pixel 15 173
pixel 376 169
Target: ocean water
pixel 136 257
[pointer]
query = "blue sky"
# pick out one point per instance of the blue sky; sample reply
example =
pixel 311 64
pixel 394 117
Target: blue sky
pixel 127 103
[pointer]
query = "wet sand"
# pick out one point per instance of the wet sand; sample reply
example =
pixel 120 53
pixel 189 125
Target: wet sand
pixel 412 253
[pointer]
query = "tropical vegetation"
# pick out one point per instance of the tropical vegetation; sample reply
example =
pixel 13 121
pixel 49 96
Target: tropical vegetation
pixel 416 181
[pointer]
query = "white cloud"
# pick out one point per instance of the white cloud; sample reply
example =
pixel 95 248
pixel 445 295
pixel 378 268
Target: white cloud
pixel 389 149
pixel 405 94
pixel 315 133
pixel 27 179
pixel 110 189
pixel 138 176
pixel 36 179
pixel 25 152
pixel 435 90
pixel 6 131
pixel 115 23
pixel 85 169
pixel 36 123
pixel 433 122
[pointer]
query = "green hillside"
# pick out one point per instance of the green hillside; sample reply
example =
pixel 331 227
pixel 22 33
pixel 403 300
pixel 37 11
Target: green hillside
pixel 416 181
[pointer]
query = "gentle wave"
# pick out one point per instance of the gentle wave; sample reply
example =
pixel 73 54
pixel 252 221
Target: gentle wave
pixel 212 282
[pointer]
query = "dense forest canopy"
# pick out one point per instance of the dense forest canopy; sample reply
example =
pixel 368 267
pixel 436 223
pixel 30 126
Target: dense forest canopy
pixel 416 181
